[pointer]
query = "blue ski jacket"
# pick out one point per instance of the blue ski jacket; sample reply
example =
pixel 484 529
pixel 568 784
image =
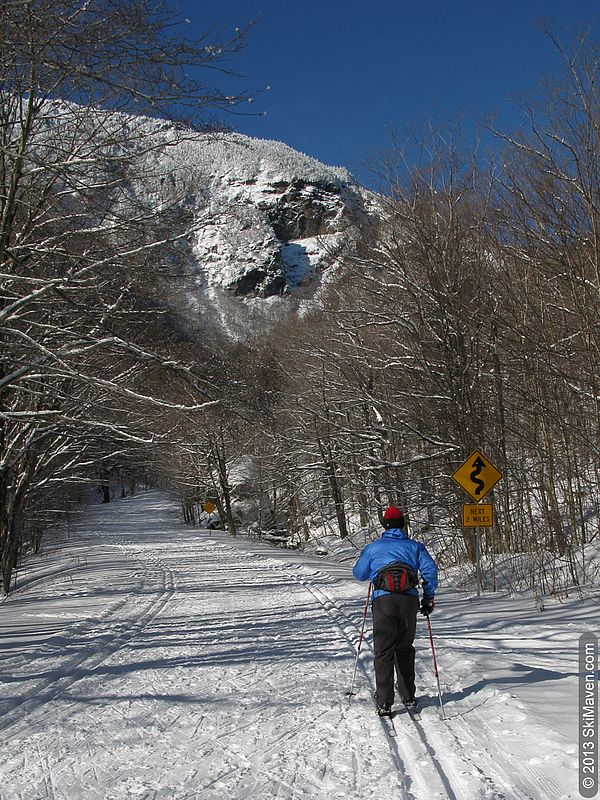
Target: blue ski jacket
pixel 394 545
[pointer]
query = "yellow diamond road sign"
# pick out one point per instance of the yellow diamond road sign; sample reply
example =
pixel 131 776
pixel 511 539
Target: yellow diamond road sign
pixel 477 476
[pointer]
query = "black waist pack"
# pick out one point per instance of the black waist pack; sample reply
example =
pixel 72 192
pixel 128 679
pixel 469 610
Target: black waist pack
pixel 396 577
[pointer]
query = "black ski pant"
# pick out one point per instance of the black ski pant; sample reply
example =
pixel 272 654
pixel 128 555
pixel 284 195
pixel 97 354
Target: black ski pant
pixel 394 627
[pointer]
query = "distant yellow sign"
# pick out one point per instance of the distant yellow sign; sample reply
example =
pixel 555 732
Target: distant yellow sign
pixel 477 476
pixel 478 515
pixel 208 506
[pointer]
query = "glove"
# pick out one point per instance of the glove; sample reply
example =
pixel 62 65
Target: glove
pixel 427 606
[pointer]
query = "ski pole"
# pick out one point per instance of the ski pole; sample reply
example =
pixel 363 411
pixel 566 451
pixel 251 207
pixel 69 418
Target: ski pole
pixel 435 668
pixel 362 631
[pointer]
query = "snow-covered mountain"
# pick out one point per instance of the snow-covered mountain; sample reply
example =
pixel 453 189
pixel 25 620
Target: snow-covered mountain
pixel 253 226
pixel 268 225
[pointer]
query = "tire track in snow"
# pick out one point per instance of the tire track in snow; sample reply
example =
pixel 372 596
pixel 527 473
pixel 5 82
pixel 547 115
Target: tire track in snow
pixel 209 746
pixel 97 644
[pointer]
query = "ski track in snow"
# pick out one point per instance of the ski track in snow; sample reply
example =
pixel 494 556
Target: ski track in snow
pixel 172 663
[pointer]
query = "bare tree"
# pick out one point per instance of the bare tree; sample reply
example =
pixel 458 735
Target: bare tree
pixel 83 217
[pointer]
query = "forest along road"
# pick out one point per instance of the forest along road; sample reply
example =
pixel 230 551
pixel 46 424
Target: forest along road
pixel 144 659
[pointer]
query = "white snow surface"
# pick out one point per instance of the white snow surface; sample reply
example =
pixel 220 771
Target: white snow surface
pixel 144 659
pixel 244 161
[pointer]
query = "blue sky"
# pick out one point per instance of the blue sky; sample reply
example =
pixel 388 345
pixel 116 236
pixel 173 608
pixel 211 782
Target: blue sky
pixel 345 75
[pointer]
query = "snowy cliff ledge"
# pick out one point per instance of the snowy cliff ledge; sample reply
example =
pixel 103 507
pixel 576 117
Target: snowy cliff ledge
pixel 276 214
pixel 251 227
pixel 269 223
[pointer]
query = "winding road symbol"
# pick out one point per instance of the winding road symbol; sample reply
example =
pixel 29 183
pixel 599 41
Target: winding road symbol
pixel 479 464
pixel 477 476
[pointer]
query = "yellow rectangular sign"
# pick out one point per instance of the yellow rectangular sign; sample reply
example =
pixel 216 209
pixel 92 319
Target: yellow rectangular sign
pixel 478 515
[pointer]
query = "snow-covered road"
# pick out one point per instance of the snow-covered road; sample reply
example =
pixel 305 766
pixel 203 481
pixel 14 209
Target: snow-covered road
pixel 148 660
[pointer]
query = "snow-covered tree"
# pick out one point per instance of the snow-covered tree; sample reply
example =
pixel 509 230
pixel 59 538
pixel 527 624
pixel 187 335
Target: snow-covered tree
pixel 84 225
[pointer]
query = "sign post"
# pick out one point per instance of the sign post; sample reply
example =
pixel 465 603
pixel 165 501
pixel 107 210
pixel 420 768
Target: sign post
pixel 477 476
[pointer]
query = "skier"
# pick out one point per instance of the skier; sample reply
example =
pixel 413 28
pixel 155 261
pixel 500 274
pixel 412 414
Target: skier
pixel 393 564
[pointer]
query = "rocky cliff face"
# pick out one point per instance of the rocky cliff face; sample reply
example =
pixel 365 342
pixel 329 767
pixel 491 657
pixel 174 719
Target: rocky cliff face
pixel 251 227
pixel 269 223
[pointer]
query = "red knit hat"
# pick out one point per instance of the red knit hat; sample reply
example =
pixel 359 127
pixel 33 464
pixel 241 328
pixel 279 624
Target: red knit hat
pixel 393 513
